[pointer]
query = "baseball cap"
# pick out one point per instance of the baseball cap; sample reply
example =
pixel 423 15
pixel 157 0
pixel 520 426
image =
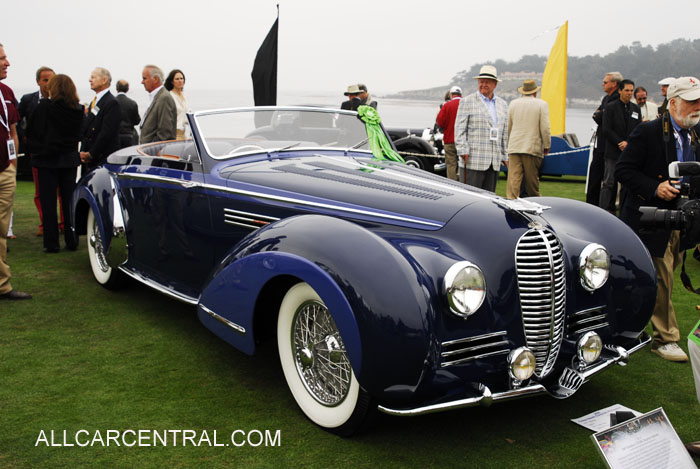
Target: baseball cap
pixel 455 90
pixel 687 88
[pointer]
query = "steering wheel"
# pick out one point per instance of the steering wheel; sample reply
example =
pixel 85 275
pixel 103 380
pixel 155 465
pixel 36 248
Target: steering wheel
pixel 243 148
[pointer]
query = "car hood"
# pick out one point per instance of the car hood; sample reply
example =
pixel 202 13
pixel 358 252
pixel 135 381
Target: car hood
pixel 383 186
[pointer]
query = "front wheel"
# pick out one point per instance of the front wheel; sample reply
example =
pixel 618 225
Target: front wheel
pixel 316 365
pixel 105 275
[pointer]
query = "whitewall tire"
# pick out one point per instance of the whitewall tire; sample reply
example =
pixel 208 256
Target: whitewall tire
pixel 103 273
pixel 316 365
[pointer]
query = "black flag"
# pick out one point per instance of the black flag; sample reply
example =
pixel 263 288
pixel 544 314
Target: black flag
pixel 264 73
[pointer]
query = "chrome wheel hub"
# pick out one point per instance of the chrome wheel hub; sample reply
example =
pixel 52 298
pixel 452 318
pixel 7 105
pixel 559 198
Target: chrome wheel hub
pixel 320 356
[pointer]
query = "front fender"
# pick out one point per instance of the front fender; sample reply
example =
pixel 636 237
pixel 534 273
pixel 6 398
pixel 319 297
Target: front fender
pixel 374 294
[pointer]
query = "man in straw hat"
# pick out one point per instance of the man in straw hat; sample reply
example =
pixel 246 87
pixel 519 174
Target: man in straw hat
pixel 353 94
pixel 529 140
pixel 481 131
pixel 643 170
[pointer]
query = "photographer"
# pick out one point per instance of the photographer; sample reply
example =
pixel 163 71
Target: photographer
pixel 643 171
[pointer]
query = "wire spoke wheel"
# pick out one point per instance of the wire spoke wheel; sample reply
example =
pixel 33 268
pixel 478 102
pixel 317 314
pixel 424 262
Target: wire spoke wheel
pixel 321 359
pixel 316 364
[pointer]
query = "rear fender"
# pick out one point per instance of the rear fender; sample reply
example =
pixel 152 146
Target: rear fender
pixel 109 214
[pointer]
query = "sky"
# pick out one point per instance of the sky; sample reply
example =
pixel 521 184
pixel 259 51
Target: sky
pixel 325 45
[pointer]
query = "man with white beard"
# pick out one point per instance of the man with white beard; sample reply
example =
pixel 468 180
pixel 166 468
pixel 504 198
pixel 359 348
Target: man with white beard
pixel 643 170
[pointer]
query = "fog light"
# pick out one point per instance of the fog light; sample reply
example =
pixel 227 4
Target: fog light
pixel 521 363
pixel 589 347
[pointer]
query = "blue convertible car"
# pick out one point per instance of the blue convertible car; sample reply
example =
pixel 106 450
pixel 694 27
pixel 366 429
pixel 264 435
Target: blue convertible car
pixel 385 287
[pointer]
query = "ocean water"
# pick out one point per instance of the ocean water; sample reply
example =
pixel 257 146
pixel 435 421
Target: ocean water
pixel 394 112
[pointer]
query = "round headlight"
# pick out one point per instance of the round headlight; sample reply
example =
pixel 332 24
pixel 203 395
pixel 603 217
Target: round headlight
pixel 465 288
pixel 521 363
pixel 589 347
pixel 594 266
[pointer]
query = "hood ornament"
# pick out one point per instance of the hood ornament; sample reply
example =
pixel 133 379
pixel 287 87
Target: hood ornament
pixel 521 205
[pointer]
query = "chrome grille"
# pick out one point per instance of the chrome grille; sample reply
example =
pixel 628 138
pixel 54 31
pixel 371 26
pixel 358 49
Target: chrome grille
pixel 455 352
pixel 539 262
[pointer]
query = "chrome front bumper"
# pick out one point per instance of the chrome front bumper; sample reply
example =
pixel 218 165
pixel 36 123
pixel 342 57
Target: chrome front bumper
pixel 568 383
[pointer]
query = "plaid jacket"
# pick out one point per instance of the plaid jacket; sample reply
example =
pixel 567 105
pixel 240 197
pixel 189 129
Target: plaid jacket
pixel 472 133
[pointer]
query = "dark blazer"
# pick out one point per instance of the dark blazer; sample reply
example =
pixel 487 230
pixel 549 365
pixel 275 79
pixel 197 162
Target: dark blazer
pixel 26 108
pixel 160 119
pixel 640 169
pixel 53 134
pixel 618 122
pixel 101 130
pixel 130 118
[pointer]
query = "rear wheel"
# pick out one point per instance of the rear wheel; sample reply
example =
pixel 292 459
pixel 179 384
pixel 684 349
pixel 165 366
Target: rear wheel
pixel 103 273
pixel 316 365
pixel 414 162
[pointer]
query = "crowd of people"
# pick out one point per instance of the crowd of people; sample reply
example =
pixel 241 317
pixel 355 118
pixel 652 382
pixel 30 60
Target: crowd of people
pixel 60 135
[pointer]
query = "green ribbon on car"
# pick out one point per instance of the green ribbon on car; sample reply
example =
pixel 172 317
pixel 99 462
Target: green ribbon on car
pixel 378 141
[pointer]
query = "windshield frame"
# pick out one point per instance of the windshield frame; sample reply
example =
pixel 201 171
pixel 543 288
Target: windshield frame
pixel 197 134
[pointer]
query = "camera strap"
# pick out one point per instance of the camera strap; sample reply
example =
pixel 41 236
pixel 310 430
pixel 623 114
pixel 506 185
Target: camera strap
pixel 685 279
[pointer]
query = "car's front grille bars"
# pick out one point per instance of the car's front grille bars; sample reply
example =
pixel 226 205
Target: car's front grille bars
pixel 542 285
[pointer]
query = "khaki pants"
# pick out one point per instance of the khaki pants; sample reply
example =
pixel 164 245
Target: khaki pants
pixel 451 160
pixel 523 166
pixel 7 197
pixel 663 320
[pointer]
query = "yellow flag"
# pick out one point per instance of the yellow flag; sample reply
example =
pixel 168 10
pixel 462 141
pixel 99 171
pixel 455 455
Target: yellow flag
pixel 554 81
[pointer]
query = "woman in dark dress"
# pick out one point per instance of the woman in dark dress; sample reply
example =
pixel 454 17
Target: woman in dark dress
pixel 55 132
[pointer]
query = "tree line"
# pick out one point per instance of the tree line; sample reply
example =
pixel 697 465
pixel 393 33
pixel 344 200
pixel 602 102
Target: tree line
pixel 645 65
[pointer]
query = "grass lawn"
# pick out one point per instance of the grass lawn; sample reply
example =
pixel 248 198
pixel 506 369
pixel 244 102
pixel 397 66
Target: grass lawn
pixel 80 357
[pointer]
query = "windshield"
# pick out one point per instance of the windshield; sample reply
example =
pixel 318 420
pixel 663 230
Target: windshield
pixel 233 133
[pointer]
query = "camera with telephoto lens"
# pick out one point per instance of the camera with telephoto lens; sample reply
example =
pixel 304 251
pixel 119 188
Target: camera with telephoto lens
pixel 686 216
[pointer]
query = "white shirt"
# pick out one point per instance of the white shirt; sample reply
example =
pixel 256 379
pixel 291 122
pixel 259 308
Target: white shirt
pixel 99 95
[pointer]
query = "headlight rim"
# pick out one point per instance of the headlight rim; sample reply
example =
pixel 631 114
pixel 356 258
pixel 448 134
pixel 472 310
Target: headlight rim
pixel 583 261
pixel 449 279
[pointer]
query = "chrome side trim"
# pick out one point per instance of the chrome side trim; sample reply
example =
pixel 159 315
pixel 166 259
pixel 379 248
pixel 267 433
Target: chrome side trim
pixel 238 328
pixel 253 220
pixel 291 200
pixel 160 288
pixel 475 357
pixel 468 349
pixel 486 398
pixel 586 311
pixel 474 338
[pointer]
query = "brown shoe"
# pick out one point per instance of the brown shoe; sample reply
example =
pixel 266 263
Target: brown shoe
pixel 15 295
pixel 694 448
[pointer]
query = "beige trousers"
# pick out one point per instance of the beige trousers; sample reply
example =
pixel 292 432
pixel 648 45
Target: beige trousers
pixel 451 160
pixel 523 166
pixel 8 184
pixel 663 320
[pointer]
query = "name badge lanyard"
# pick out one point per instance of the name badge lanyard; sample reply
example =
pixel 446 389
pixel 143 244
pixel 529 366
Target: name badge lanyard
pixel 5 118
